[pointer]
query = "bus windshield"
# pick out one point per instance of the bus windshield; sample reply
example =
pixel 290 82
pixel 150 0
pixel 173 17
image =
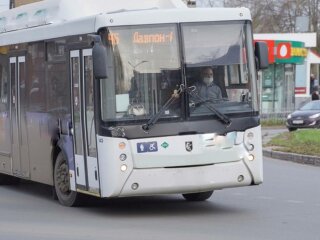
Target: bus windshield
pixel 144 71
pixel 218 69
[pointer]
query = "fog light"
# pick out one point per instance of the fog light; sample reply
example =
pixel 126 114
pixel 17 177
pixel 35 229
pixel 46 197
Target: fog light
pixel 251 157
pixel 123 157
pixel 135 186
pixel 240 178
pixel 123 168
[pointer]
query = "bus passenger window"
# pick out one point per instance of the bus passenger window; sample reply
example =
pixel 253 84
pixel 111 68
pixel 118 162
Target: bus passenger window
pixel 3 89
pixel 36 87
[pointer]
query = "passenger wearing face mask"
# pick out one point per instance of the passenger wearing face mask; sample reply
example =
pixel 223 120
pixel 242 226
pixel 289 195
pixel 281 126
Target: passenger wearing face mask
pixel 206 88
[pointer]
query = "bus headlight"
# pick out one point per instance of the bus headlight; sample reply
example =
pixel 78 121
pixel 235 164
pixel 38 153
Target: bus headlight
pixel 251 157
pixel 123 168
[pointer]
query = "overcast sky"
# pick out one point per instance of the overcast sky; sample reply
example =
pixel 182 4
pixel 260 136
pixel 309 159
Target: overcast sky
pixel 4 5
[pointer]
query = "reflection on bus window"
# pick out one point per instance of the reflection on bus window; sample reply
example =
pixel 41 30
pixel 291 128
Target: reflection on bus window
pixel 36 89
pixel 228 87
pixel 145 72
pixel 4 107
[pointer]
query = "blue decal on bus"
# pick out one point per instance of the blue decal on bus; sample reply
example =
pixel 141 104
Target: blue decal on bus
pixel 147 147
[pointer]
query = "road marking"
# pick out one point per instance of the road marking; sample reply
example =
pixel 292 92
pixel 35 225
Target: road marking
pixel 265 198
pixel 294 201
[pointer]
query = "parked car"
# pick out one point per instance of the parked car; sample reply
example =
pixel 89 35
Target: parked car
pixel 308 116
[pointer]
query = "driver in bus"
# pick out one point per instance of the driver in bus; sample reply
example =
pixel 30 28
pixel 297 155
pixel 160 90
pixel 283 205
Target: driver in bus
pixel 206 88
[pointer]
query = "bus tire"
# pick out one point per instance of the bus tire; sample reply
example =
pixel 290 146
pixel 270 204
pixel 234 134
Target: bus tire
pixel 197 197
pixel 65 196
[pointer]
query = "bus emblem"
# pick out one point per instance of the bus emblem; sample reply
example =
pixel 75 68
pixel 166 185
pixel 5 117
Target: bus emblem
pixel 189 146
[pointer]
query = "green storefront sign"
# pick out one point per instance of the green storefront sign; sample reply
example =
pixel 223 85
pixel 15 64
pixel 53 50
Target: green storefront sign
pixel 286 51
pixel 290 52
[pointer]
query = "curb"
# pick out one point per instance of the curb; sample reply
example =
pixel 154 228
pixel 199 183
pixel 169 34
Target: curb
pixel 292 157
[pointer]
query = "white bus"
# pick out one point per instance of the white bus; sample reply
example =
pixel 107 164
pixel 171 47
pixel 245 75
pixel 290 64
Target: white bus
pixel 103 98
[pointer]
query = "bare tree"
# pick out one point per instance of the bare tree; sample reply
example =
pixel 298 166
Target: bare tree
pixel 273 16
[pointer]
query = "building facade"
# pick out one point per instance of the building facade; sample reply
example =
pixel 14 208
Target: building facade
pixel 17 3
pixel 285 85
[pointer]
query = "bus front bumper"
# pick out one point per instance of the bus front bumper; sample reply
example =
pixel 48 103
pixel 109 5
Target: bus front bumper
pixel 144 182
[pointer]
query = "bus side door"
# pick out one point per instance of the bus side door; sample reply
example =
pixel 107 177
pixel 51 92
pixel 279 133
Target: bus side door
pixel 84 134
pixel 20 150
pixel 5 130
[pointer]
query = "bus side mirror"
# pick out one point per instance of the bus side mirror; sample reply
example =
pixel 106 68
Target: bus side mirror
pixel 261 53
pixel 99 58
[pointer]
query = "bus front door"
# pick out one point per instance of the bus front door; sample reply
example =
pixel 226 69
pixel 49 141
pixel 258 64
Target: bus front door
pixel 84 136
pixel 19 147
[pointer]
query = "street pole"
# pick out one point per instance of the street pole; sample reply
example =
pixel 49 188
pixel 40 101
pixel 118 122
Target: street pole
pixel 11 4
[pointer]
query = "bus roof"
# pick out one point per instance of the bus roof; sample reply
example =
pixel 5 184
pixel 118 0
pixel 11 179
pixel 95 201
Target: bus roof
pixel 57 11
pixel 57 18
pixel 173 16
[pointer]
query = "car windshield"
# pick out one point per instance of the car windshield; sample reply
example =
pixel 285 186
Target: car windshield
pixel 218 68
pixel 313 105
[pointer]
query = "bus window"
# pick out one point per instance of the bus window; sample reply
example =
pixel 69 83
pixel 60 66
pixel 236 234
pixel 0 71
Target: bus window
pixel 89 105
pixel 58 99
pixel 144 70
pixel 5 136
pixel 36 91
pixel 3 88
pixel 226 55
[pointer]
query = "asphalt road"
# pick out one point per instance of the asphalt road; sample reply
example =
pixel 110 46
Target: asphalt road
pixel 286 206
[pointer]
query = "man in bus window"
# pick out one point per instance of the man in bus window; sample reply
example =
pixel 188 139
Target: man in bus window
pixel 206 88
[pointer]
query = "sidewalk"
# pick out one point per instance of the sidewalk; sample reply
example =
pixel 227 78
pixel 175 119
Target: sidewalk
pixel 268 133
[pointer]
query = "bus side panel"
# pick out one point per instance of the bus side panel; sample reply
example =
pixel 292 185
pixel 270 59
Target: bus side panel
pixel 40 147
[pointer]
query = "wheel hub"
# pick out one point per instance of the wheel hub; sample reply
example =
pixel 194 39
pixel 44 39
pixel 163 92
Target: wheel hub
pixel 63 181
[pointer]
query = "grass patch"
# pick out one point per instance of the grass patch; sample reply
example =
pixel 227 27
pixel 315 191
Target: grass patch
pixel 305 142
pixel 273 122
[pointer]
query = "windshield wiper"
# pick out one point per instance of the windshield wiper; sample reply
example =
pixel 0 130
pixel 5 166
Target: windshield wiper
pixel 218 100
pixel 176 94
pixel 222 117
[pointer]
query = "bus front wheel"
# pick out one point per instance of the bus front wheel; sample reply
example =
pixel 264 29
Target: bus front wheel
pixel 65 195
pixel 197 197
